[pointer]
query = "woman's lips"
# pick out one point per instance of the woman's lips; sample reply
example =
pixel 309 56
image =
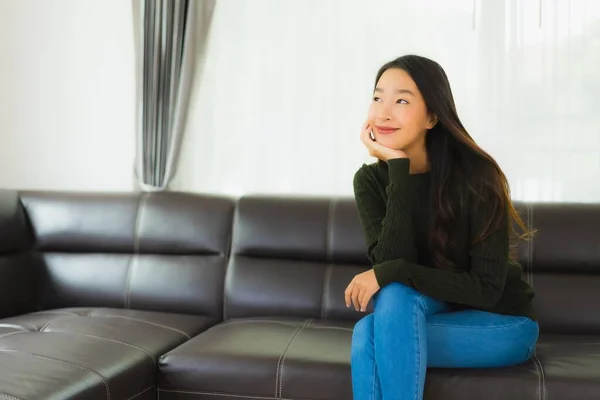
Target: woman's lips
pixel 385 130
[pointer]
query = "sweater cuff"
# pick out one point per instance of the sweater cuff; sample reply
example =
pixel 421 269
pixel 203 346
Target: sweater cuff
pixel 381 276
pixel 398 170
pixel 384 273
pixel 392 271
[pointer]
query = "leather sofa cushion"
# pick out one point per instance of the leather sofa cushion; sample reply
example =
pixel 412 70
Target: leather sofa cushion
pixel 302 358
pixel 191 284
pixel 562 263
pixel 294 288
pixel 89 353
pixel 571 366
pixel 268 357
pixel 567 303
pixel 565 367
pixel 146 223
pixel 293 256
pixel 147 251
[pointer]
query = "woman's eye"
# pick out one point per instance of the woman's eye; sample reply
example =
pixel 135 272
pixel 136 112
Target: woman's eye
pixel 376 99
pixel 402 101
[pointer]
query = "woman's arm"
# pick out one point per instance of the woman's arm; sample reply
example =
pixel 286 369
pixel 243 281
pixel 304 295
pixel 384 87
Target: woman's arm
pixel 480 286
pixel 387 226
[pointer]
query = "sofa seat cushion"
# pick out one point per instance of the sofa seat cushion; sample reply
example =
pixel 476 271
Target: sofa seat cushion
pixel 89 353
pixel 570 366
pixel 310 359
pixel 270 357
pixel 565 367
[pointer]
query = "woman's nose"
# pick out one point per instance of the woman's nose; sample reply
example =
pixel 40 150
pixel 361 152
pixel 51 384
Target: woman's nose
pixel 383 116
pixel 383 113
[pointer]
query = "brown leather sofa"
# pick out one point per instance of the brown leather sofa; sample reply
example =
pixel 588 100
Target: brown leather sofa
pixel 182 296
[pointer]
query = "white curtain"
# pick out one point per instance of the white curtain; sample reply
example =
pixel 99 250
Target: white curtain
pixel 279 103
pixel 169 37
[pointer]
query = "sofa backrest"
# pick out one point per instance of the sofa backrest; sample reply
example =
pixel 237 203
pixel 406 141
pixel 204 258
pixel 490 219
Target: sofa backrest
pixel 154 251
pixel 259 256
pixel 562 263
pixel 19 271
pixel 295 256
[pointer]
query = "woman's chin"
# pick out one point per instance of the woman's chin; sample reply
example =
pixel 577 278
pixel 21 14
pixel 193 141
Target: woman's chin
pixel 388 142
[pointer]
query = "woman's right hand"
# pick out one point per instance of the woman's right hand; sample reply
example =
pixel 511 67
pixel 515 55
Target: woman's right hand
pixel 377 149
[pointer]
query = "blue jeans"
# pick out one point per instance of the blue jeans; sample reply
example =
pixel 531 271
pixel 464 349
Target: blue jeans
pixel 408 332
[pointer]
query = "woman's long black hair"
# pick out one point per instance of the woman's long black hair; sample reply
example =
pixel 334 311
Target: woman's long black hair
pixel 459 167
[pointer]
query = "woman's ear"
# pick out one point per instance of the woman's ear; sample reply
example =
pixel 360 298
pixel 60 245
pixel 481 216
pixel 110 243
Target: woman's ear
pixel 433 120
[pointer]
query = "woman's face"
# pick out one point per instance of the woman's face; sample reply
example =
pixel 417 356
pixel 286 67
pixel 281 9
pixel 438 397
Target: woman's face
pixel 398 114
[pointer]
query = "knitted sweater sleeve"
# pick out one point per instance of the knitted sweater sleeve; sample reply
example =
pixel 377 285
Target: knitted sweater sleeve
pixel 387 225
pixel 479 284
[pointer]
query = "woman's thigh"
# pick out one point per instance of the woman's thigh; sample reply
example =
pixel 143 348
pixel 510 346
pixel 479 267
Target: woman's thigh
pixel 479 339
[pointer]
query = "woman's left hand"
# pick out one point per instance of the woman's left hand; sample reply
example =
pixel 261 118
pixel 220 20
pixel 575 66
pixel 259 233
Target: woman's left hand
pixel 361 289
pixel 376 149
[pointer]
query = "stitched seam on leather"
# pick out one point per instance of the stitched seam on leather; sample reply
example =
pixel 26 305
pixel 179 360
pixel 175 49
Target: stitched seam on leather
pixel 52 321
pixel 144 321
pixel 279 323
pixel 537 370
pixel 544 390
pixel 228 259
pixel 111 340
pixel 290 324
pixel 542 395
pixel 326 282
pixel 66 363
pixel 46 325
pixel 11 326
pixel 11 333
pixel 140 393
pixel 329 257
pixel 136 250
pixel 570 344
pixel 284 354
pixel 329 233
pixel 132 264
pixel 8 396
pixel 331 327
pixel 54 312
pixel 530 247
pixel 281 357
pixel 127 282
pixel 200 393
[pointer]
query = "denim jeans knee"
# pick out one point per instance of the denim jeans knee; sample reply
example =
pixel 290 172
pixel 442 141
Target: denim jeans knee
pixel 362 336
pixel 395 295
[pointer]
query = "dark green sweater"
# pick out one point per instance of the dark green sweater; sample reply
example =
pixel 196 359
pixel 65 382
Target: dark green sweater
pixel 394 210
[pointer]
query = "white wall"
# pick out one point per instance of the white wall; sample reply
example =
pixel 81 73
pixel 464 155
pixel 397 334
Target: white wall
pixel 67 94
pixel 277 106
pixel 286 85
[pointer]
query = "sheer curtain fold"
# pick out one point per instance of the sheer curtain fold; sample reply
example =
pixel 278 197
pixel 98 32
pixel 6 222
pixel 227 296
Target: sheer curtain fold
pixel 167 37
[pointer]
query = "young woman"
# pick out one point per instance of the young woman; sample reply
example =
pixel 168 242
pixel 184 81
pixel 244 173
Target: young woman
pixel 437 217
